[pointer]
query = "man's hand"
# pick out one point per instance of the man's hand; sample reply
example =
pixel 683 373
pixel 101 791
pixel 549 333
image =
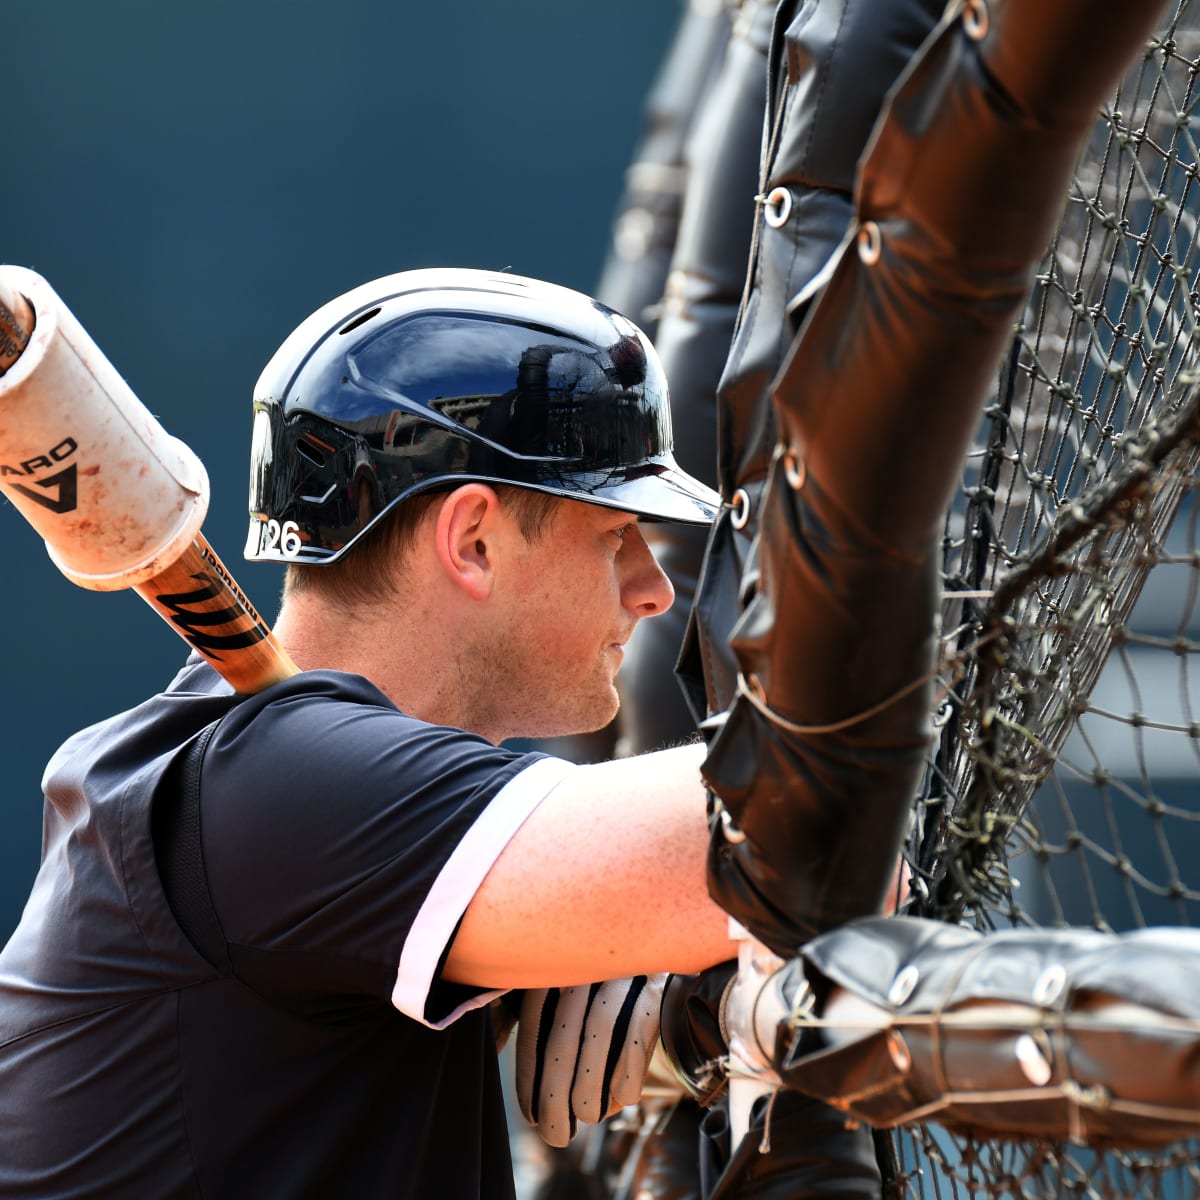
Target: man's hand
pixel 583 1052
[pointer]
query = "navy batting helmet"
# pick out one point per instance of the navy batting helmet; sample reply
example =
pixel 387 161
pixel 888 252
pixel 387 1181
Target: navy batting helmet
pixel 428 379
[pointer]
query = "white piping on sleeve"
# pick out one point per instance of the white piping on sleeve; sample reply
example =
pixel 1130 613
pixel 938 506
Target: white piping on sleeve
pixel 457 883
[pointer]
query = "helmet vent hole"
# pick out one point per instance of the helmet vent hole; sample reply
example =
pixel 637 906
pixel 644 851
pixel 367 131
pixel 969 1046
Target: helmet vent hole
pixel 361 319
pixel 311 452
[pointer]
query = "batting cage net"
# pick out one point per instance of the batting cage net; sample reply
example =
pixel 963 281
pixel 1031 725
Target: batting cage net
pixel 1065 787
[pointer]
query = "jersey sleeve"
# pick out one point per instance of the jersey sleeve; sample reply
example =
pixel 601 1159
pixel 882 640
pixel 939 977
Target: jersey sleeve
pixel 344 840
pixel 434 926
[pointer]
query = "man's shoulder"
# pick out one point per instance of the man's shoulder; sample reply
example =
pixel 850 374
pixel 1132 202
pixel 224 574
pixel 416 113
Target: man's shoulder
pixel 323 685
pixel 312 717
pixel 325 714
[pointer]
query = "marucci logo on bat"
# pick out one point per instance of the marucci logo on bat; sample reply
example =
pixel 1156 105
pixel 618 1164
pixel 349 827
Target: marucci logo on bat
pixel 194 626
pixel 66 498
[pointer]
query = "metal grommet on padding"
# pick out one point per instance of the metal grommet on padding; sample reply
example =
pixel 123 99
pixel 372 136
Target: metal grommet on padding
pixel 1034 1060
pixel 732 833
pixel 634 234
pixel 870 243
pixel 904 985
pixel 794 470
pixel 898 1051
pixel 777 207
pixel 975 20
pixel 741 509
pixel 1049 985
pixel 729 830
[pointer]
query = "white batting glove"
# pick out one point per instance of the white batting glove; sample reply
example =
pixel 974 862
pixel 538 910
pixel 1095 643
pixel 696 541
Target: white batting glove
pixel 583 1052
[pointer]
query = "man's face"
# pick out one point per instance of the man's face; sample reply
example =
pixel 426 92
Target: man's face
pixel 576 594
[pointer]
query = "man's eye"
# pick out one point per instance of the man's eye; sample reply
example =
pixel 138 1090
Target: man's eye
pixel 622 530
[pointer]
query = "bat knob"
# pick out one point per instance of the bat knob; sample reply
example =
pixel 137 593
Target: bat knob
pixel 16 324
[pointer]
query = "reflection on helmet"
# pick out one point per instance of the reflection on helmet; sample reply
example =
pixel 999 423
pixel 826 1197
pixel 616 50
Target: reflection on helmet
pixel 429 379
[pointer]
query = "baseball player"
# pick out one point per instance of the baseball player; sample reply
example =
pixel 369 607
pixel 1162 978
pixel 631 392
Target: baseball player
pixel 261 954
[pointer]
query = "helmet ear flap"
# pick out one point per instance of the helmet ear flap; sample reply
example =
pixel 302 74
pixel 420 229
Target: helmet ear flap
pixel 309 481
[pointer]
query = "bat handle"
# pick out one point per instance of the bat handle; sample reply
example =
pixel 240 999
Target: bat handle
pixel 202 602
pixel 16 325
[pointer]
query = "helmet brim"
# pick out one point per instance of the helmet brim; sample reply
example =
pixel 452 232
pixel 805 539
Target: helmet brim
pixel 656 492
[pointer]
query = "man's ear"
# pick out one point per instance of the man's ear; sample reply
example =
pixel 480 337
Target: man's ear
pixel 466 523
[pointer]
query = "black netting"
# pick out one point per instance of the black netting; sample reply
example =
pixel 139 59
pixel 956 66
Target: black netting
pixel 1065 788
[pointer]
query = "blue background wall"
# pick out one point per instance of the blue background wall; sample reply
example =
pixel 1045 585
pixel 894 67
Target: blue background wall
pixel 194 178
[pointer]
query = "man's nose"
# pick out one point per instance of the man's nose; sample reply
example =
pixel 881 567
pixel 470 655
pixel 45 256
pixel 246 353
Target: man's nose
pixel 645 588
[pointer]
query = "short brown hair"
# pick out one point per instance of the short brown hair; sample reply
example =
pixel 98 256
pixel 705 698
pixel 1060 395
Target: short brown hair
pixel 368 571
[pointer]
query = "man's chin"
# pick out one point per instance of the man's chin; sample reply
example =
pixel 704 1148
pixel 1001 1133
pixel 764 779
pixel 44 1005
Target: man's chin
pixel 592 720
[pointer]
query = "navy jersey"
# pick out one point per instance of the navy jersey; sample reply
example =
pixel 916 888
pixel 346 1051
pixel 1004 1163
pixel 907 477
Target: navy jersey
pixel 342 842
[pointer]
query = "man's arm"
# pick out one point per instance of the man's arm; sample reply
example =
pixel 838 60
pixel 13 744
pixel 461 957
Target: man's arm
pixel 606 878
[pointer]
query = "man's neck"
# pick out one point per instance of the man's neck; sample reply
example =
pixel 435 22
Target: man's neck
pixel 397 649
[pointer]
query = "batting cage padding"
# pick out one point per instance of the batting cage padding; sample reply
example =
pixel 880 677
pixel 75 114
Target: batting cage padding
pixel 814 764
pixel 1080 1035
pixel 646 224
pixel 830 65
pixel 694 321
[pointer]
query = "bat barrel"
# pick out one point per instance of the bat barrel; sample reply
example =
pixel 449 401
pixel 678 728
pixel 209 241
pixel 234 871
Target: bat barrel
pixel 89 467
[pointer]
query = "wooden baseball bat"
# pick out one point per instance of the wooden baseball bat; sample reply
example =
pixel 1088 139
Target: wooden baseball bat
pixel 117 501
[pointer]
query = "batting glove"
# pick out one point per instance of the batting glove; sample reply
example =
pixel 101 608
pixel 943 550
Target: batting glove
pixel 583 1052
